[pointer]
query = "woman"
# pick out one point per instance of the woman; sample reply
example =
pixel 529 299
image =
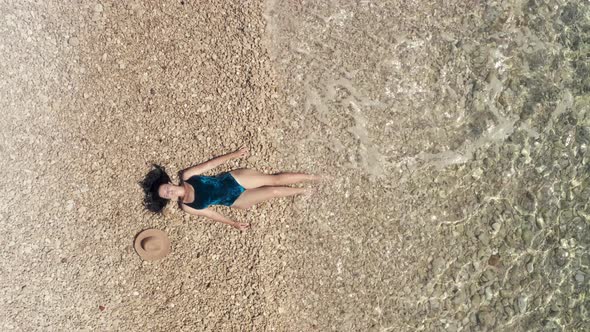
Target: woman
pixel 241 188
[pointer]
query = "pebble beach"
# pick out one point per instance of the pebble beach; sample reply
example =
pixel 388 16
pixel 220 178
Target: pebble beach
pixel 456 136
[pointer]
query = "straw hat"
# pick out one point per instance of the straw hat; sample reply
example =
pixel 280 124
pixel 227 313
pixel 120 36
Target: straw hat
pixel 152 244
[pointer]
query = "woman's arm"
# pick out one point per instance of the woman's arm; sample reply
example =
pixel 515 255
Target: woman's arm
pixel 211 164
pixel 222 219
pixel 214 215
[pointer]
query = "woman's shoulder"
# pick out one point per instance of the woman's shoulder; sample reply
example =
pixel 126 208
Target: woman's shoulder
pixel 188 176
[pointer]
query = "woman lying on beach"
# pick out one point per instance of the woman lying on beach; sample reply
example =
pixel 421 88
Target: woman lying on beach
pixel 241 188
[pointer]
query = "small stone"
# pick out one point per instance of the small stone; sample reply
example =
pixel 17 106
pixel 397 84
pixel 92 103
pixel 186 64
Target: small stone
pixel 136 293
pixel 486 318
pixel 434 304
pixel 477 173
pixel 437 265
pixel 530 268
pixel 459 298
pixel 494 260
pixel 522 304
pixel 561 257
pixel 540 223
pixel 73 41
pixel 475 300
pixel 452 327
pixel 580 277
pixel 496 226
pixel 484 238
pixel 482 252
pixel 527 236
pixel 98 8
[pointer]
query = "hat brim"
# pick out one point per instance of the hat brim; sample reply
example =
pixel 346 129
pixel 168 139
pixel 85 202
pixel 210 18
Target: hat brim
pixel 152 255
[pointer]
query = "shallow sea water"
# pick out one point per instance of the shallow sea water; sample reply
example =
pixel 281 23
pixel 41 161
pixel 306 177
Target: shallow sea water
pixel 458 137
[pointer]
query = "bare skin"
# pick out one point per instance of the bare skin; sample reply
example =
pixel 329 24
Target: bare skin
pixel 259 187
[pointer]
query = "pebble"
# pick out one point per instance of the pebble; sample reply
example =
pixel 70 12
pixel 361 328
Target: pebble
pixel 496 226
pixel 530 267
pixel 465 320
pixel 540 223
pixel 484 238
pixel 527 236
pixel 489 294
pixel 494 260
pixel 98 8
pixel 437 265
pixel 509 311
pixel 477 173
pixel 486 318
pixel 459 298
pixel 580 277
pixel 434 304
pixel 522 304
pixel 475 300
pixel 73 41
pixel 489 275
pixel 561 257
pixel 564 243
pixel 482 252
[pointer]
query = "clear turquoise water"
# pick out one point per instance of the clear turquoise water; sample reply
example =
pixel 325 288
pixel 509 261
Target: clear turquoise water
pixel 458 134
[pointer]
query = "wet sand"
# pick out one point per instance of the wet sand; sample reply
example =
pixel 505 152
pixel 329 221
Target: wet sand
pixel 457 135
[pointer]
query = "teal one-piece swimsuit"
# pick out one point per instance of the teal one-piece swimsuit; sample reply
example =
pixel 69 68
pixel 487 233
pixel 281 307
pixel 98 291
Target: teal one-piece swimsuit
pixel 221 189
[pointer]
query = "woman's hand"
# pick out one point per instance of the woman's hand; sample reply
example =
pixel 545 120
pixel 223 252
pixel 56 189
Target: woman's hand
pixel 241 226
pixel 241 152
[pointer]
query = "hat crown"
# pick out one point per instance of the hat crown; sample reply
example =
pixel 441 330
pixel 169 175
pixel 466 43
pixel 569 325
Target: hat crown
pixel 151 243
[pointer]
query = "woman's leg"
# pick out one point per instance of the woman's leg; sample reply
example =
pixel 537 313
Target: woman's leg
pixel 254 196
pixel 250 178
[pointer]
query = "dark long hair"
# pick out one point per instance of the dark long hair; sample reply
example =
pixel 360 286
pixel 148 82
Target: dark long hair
pixel 150 184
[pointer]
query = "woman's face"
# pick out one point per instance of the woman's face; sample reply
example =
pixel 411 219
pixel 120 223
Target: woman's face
pixel 167 191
